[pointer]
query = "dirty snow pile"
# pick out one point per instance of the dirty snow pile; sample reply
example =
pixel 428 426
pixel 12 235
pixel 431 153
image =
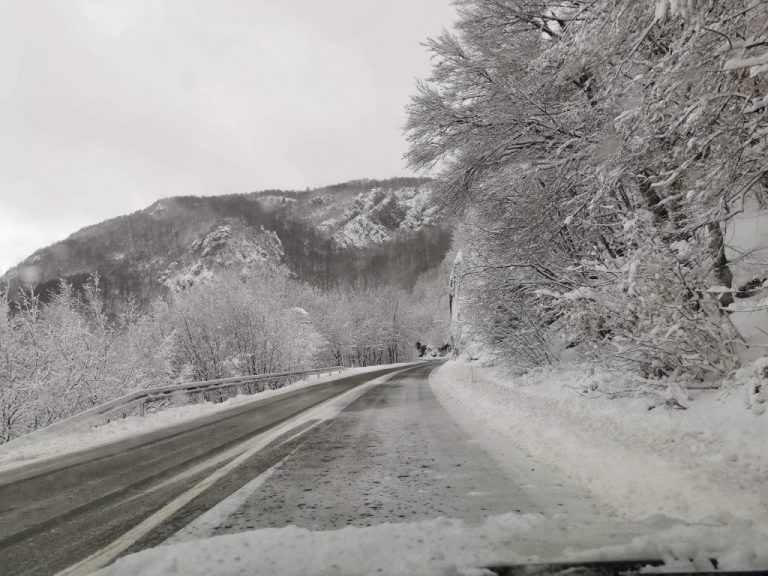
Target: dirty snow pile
pixel 638 456
pixel 444 547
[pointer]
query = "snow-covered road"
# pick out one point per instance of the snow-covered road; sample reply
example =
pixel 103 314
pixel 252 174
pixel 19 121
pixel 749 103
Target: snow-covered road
pixel 392 455
pixel 316 477
pixel 392 479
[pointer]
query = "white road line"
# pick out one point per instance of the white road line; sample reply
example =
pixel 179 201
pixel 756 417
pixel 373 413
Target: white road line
pixel 112 551
pixel 204 525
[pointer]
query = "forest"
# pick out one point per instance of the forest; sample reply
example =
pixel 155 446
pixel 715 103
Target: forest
pixel 608 163
pixel 609 158
pixel 65 355
pixel 130 252
pixel 272 291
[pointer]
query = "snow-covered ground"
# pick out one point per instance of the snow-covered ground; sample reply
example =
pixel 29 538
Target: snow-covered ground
pixel 441 547
pixel 709 461
pixel 747 250
pixel 39 446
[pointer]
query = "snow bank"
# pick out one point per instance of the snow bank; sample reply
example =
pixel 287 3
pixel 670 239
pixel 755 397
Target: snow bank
pixel 442 547
pixel 23 450
pixel 747 249
pixel 708 461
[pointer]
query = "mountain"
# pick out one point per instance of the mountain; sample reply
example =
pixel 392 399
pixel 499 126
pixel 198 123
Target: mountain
pixel 365 231
pixel 229 245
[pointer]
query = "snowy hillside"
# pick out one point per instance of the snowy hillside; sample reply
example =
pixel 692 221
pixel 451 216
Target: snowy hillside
pixel 362 230
pixel 227 246
pixel 376 216
pixel 372 212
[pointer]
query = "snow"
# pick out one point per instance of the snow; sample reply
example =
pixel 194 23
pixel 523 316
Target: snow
pixel 637 454
pixel 444 547
pixel 360 232
pixel 156 209
pixel 40 446
pixel 230 245
pixel 274 200
pixel 747 247
pixel 752 377
pixel 746 240
pixel 707 461
pixel 212 241
pixel 756 63
pixel 684 487
pixel 419 207
pixel 403 209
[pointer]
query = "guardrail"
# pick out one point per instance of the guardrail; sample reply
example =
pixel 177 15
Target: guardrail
pixel 209 390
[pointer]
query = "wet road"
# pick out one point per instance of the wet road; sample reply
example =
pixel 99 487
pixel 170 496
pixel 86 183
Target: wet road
pixel 392 455
pixel 387 455
pixel 60 512
pixel 359 451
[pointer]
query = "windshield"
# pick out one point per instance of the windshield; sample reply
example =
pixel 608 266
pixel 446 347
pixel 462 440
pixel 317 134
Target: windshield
pixel 435 287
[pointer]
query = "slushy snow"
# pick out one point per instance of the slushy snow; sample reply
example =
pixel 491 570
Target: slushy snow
pixel 710 460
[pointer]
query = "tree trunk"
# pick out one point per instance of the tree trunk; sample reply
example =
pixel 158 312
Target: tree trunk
pixel 653 200
pixel 720 262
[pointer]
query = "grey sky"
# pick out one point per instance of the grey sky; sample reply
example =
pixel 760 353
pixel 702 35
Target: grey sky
pixel 107 105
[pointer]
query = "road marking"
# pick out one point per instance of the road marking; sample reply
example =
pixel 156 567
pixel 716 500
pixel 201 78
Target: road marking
pixel 112 551
pixel 204 525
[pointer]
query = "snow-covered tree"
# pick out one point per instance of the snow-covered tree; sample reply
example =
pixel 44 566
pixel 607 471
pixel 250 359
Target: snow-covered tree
pixel 599 151
pixel 232 327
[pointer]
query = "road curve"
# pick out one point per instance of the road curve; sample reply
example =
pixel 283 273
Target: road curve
pixel 58 512
pixel 392 455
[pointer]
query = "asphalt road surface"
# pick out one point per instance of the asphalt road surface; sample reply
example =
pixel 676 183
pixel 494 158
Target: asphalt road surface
pixel 58 513
pixel 391 454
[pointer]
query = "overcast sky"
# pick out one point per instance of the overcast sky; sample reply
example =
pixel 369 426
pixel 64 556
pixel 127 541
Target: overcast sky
pixel 108 105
